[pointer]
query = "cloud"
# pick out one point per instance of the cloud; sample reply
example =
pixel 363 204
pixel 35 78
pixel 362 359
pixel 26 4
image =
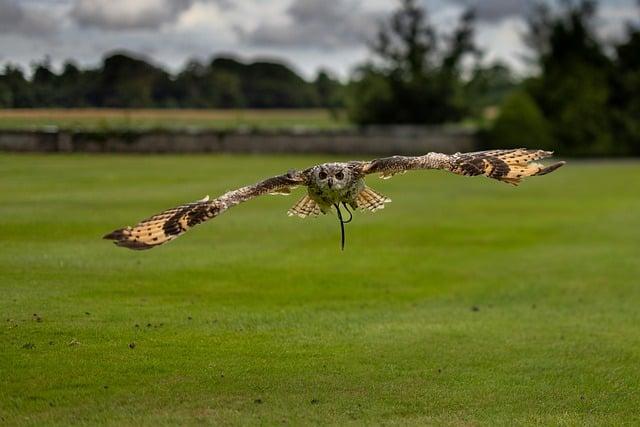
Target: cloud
pixel 497 10
pixel 128 14
pixel 502 42
pixel 320 24
pixel 309 33
pixel 15 18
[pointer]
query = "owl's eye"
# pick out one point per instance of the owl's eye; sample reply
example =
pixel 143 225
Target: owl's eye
pixel 322 175
pixel 339 176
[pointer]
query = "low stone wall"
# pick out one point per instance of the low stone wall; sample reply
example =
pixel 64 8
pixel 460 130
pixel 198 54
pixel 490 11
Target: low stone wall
pixel 374 140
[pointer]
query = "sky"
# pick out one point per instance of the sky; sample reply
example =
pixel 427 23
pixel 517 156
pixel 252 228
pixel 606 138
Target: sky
pixel 306 34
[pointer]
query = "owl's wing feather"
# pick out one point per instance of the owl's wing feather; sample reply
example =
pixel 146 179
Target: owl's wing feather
pixel 509 166
pixel 166 226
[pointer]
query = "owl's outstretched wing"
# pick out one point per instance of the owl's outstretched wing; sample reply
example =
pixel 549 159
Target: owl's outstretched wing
pixel 168 225
pixel 509 166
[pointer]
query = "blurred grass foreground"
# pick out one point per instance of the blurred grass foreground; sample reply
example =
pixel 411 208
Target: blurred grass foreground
pixel 465 302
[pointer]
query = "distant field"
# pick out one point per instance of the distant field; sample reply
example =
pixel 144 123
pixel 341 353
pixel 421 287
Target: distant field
pixel 113 119
pixel 465 302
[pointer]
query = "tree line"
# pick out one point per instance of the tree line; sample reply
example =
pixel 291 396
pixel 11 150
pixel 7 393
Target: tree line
pixel 124 81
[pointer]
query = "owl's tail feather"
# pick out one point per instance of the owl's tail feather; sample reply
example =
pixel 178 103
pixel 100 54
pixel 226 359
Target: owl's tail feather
pixel 371 200
pixel 305 207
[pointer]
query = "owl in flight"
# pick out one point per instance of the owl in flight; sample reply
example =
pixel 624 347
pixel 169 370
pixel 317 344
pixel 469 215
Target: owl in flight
pixel 332 185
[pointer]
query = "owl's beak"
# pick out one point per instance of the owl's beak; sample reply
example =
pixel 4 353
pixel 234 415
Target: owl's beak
pixel 330 182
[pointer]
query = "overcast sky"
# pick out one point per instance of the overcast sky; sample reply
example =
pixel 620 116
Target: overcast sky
pixel 307 34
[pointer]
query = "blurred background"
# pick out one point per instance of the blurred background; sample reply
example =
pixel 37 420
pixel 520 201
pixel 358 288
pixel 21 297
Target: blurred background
pixel 561 75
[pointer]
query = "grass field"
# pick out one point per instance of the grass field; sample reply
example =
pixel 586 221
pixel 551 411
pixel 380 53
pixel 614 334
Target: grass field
pixel 113 119
pixel 465 302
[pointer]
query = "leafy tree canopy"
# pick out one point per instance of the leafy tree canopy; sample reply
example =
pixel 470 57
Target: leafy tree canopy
pixel 415 75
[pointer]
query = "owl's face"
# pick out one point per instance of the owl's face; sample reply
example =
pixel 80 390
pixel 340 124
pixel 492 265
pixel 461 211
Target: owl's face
pixel 332 176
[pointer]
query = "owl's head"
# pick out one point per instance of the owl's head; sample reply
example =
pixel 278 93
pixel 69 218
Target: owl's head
pixel 334 176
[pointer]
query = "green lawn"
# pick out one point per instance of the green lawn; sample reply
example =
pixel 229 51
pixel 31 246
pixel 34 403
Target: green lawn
pixel 107 120
pixel 465 302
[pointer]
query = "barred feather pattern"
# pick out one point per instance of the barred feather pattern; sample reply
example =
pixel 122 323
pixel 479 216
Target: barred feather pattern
pixel 306 207
pixel 370 200
pixel 167 225
pixel 509 166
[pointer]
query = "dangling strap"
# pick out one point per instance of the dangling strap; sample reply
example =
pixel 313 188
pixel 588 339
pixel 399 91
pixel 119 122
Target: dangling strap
pixel 342 223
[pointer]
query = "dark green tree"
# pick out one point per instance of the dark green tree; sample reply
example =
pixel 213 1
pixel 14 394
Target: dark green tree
pixel 21 93
pixel 72 86
pixel 573 88
pixel 625 96
pixel 520 124
pixel 129 82
pixel 187 86
pixel 488 88
pixel 415 75
pixel 6 97
pixel 44 86
pixel 268 84
pixel 329 89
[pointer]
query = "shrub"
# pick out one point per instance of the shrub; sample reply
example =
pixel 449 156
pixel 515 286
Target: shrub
pixel 519 124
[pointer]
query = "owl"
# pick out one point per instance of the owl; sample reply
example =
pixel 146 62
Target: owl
pixel 333 187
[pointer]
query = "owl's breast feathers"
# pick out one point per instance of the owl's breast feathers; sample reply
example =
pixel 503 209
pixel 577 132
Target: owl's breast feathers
pixel 327 197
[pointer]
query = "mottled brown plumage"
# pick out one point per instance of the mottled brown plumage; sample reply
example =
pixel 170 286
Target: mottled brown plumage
pixel 331 184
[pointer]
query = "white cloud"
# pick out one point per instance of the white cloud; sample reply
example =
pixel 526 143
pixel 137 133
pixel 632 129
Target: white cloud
pixel 497 10
pixel 317 24
pixel 127 14
pixel 613 16
pixel 503 42
pixel 16 18
pixel 307 33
